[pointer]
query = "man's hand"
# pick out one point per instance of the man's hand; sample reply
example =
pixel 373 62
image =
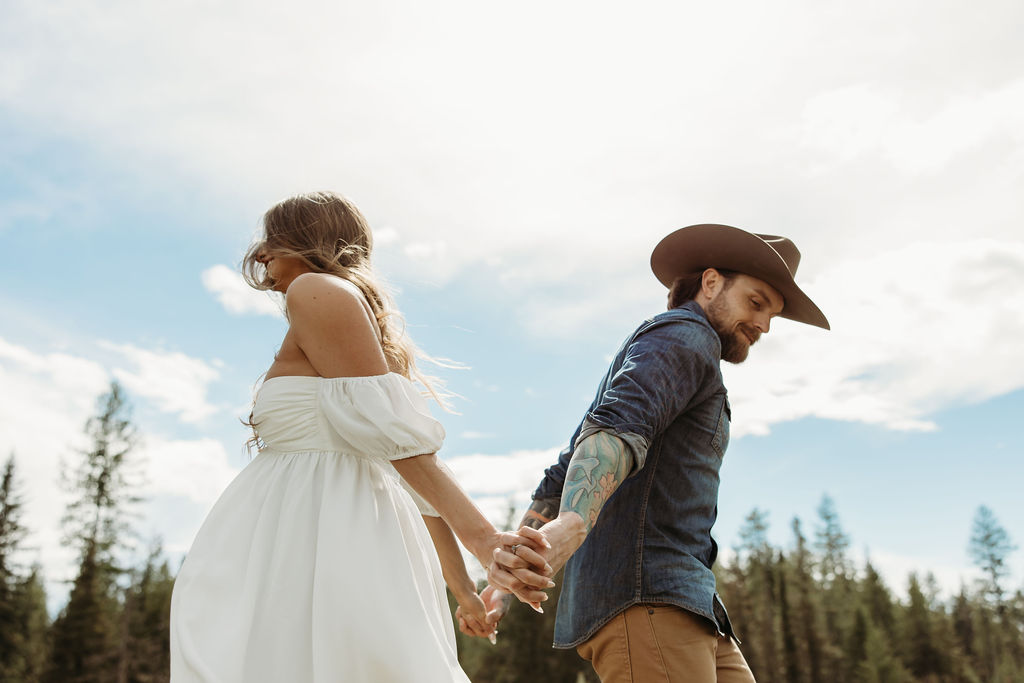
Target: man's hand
pixel 497 603
pixel 598 466
pixel 564 535
pixel 528 573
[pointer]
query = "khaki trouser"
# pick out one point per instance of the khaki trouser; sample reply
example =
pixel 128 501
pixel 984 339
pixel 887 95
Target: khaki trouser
pixel 664 644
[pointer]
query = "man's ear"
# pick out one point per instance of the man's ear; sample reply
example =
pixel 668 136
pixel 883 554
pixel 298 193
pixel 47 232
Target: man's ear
pixel 710 282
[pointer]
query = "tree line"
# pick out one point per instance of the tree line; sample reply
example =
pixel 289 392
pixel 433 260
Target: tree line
pixel 805 613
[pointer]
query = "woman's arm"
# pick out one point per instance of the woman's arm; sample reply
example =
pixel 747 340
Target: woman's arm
pixel 472 613
pixel 434 482
pixel 337 336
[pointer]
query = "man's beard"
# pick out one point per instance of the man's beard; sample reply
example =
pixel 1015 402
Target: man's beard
pixel 735 345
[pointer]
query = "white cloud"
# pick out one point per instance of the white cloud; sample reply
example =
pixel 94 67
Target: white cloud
pixel 859 120
pixel 556 171
pixel 914 330
pixel 45 402
pixel 236 296
pixel 385 237
pixel 496 482
pixel 551 165
pixel 174 382
pixel 198 469
pixel 47 399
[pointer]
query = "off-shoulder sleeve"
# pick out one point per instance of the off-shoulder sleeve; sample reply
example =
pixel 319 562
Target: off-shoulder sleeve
pixel 380 417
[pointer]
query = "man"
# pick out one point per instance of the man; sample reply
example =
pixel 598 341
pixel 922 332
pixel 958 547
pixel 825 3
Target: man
pixel 636 491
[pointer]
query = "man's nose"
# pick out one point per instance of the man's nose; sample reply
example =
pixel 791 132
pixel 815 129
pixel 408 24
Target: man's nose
pixel 763 323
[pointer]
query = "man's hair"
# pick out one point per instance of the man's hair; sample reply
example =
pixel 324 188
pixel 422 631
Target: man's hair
pixel 685 287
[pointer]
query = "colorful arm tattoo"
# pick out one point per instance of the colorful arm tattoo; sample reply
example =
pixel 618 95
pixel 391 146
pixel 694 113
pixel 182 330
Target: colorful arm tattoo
pixel 540 513
pixel 600 464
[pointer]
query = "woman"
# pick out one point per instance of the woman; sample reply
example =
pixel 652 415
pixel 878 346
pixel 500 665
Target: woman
pixel 315 564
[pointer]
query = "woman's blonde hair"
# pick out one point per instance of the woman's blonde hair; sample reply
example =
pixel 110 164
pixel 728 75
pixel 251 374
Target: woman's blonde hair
pixel 330 235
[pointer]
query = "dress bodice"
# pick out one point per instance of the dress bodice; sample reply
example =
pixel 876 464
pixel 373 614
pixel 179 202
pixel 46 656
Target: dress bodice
pixel 380 416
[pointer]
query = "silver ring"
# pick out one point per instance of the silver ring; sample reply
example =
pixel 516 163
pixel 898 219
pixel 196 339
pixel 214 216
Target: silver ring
pixel 515 549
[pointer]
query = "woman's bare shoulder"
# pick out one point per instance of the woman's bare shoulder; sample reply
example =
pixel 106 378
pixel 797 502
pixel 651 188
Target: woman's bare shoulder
pixel 322 291
pixel 333 327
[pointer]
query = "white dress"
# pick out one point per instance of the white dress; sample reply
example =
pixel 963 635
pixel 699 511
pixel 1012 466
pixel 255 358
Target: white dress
pixel 315 564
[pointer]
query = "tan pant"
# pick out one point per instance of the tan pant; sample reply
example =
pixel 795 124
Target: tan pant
pixel 664 644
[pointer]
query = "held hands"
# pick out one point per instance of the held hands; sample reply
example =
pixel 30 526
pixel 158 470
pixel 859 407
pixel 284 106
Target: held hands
pixel 516 566
pixel 484 624
pixel 473 617
pixel 478 615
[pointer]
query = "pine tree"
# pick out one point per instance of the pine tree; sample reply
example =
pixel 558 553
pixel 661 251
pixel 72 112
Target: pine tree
pixel 832 544
pixel 878 600
pixel 85 635
pixel 23 618
pixel 790 650
pixel 880 665
pixel 963 624
pixel 807 608
pixel 835 575
pixel 857 644
pixel 756 566
pixel 922 656
pixel 12 532
pixel 35 621
pixel 989 547
pixel 145 623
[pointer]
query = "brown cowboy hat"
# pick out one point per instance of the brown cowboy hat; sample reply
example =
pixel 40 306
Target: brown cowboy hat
pixel 767 257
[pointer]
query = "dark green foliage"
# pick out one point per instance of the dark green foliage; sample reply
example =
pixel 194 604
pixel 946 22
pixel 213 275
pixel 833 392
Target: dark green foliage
pixel 919 642
pixel 23 618
pixel 11 534
pixel 805 614
pixel 523 651
pixel 813 616
pixel 144 655
pixel 84 635
pixel 87 635
pixel 102 485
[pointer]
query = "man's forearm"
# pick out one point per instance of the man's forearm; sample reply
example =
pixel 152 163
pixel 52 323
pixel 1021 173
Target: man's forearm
pixel 540 513
pixel 598 467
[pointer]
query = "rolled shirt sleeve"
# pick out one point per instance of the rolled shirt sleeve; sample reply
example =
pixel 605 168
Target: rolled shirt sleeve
pixel 659 372
pixel 655 375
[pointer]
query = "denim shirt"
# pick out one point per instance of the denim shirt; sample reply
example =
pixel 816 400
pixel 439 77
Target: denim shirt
pixel 664 397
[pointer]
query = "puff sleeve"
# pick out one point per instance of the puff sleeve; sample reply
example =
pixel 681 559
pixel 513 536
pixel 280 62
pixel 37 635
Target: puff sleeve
pixel 381 417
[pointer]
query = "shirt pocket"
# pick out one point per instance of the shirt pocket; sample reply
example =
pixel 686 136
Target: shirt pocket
pixel 721 439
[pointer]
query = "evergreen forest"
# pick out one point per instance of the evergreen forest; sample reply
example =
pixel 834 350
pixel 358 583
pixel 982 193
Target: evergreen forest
pixel 805 612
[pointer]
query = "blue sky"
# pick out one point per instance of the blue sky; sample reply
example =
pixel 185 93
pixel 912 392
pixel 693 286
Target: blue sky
pixel 518 165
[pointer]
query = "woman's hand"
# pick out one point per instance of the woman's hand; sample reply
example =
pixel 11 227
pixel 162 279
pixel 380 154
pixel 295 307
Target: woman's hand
pixel 472 616
pixel 519 566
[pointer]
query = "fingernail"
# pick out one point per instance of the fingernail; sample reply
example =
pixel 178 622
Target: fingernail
pixel 493 638
pixel 551 584
pixel 537 608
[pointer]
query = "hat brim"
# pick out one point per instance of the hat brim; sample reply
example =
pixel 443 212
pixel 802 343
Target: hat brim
pixel 698 247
